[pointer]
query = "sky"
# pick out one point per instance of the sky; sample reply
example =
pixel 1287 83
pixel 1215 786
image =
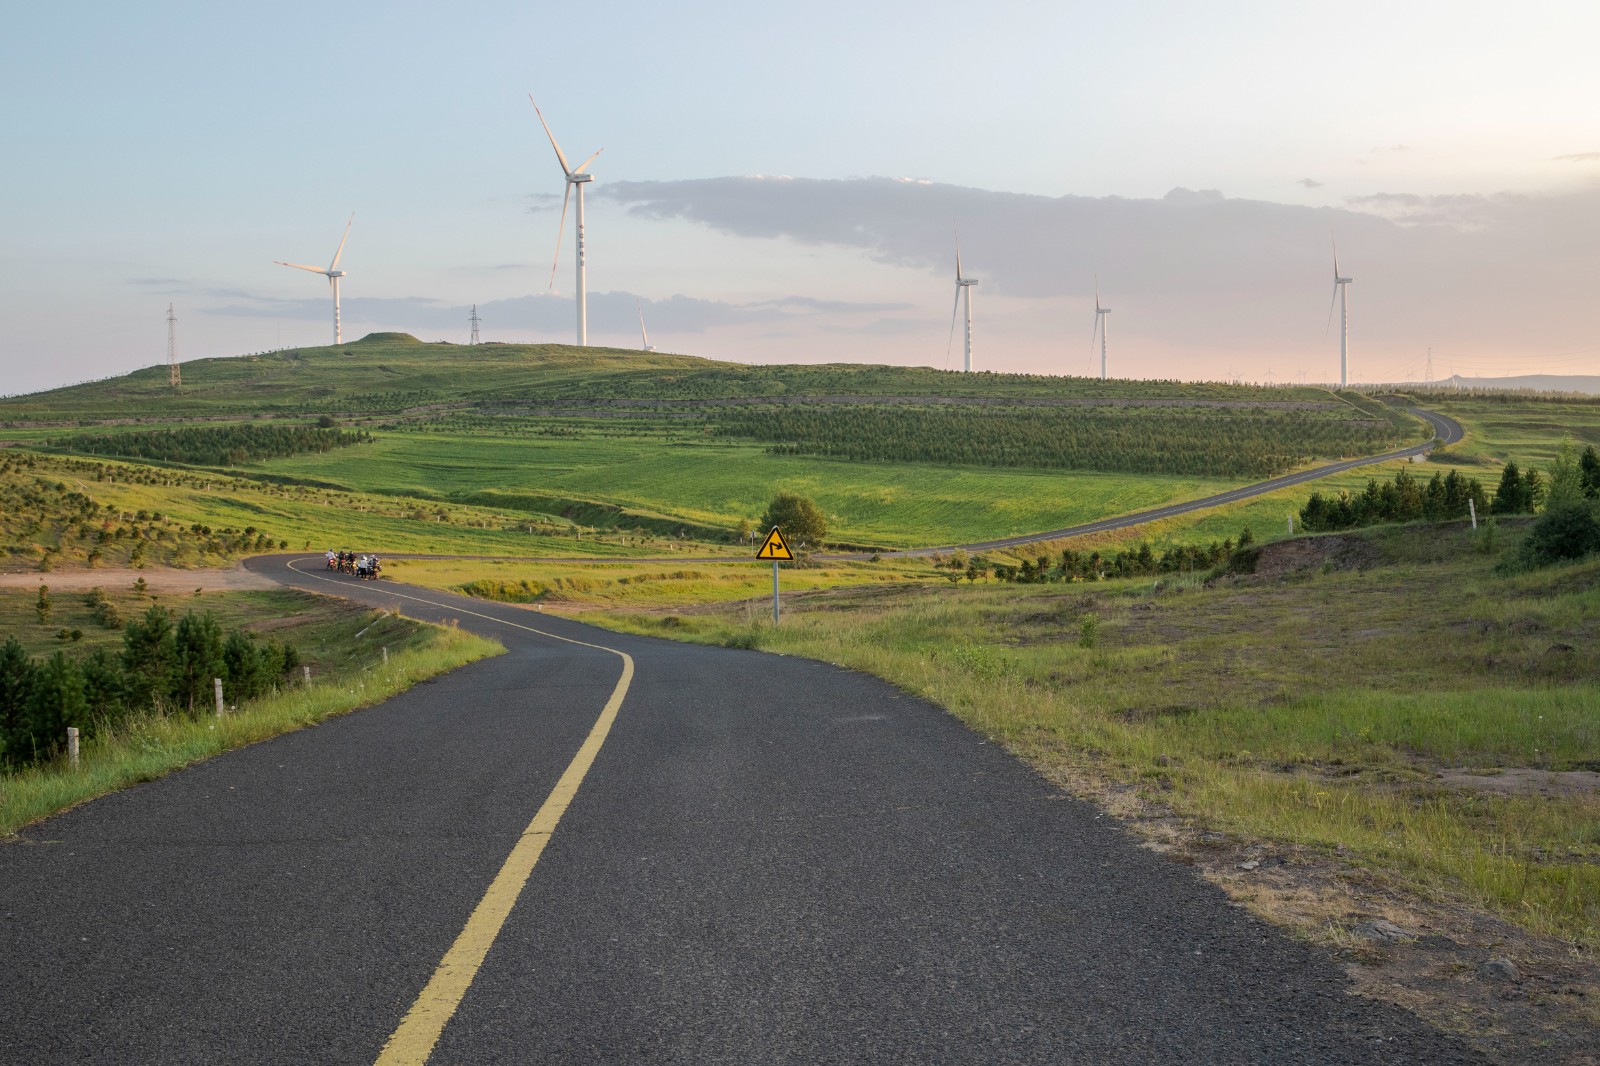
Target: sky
pixel 786 184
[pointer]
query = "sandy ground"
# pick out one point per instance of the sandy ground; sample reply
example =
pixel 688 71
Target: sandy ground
pixel 229 580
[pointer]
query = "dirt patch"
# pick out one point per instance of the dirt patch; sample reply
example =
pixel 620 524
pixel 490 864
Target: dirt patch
pixel 1433 968
pixel 1336 552
pixel 231 580
pixel 1522 781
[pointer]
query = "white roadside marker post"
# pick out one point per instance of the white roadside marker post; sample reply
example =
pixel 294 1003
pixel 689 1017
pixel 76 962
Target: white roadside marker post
pixel 218 683
pixel 1291 525
pixel 1472 509
pixel 386 653
pixel 72 746
pixel 306 674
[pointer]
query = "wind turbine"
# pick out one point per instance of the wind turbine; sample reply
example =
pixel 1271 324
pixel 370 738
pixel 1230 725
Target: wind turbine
pixel 963 285
pixel 644 336
pixel 1100 314
pixel 333 274
pixel 575 176
pixel 1341 297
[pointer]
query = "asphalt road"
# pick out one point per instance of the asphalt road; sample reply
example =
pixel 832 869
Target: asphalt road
pixel 770 860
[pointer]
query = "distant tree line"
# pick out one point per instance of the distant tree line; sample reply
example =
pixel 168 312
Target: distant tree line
pixel 1574 484
pixel 1073 565
pixel 163 667
pixel 1404 499
pixel 216 445
pixel 1210 442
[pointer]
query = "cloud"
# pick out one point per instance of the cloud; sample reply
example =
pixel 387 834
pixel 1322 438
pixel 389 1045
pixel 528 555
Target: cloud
pixel 1580 157
pixel 615 312
pixel 1391 148
pixel 1467 211
pixel 1310 183
pixel 1194 270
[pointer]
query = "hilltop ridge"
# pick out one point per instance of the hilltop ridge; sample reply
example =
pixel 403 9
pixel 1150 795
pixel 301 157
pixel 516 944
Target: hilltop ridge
pixel 391 372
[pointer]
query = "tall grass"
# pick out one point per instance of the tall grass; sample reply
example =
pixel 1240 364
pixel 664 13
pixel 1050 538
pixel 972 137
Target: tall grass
pixel 1234 715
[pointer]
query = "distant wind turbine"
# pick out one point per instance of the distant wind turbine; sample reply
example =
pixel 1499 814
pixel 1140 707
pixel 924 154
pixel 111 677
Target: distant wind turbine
pixel 333 274
pixel 644 336
pixel 964 285
pixel 575 176
pixel 1341 297
pixel 1100 314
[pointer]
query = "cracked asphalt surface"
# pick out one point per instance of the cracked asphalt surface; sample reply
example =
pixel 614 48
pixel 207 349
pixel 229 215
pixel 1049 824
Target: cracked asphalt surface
pixel 772 860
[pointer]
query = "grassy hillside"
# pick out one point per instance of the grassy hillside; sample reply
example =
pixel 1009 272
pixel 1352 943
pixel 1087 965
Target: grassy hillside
pixel 391 372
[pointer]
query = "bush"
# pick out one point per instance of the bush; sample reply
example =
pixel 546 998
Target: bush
pixel 801 520
pixel 1568 531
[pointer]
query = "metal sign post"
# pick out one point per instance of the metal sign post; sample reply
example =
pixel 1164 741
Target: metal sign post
pixel 775 548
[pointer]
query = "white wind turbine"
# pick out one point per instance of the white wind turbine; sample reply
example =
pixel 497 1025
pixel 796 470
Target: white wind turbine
pixel 1100 314
pixel 963 286
pixel 333 274
pixel 644 336
pixel 575 176
pixel 1341 297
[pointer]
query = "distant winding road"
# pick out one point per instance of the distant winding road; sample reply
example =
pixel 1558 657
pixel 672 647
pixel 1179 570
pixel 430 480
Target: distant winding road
pixel 1446 431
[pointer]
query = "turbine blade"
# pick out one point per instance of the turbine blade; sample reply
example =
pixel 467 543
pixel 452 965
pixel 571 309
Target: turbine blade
pixel 1335 257
pixel 340 251
pixel 644 336
pixel 300 266
pixel 1097 301
pixel 1094 334
pixel 560 231
pixel 579 168
pixel 1331 302
pixel 561 156
pixel 953 312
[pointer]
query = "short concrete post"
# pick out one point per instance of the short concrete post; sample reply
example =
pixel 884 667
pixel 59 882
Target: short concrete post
pixel 218 682
pixel 1472 509
pixel 1291 525
pixel 386 653
pixel 307 674
pixel 72 746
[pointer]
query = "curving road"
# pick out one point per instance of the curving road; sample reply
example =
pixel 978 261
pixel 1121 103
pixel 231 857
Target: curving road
pixel 600 848
pixel 1446 431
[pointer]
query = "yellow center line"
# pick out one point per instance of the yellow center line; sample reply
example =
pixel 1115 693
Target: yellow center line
pixel 413 1041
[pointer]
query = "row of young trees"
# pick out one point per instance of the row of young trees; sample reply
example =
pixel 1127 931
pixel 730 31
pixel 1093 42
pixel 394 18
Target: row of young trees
pixel 1444 497
pixel 216 445
pixel 164 666
pixel 1404 499
pixel 1074 565
pixel 1218 442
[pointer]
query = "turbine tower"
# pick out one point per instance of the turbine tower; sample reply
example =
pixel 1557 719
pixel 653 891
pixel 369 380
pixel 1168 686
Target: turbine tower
pixel 1100 314
pixel 1341 297
pixel 174 375
pixel 644 336
pixel 964 286
pixel 333 274
pixel 574 176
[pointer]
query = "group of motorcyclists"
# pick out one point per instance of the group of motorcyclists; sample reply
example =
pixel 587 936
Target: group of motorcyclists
pixel 363 566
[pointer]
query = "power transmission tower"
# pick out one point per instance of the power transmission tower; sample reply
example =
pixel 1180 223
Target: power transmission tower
pixel 474 321
pixel 174 376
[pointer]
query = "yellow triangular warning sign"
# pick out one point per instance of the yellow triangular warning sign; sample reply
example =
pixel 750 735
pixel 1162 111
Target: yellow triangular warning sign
pixel 775 547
